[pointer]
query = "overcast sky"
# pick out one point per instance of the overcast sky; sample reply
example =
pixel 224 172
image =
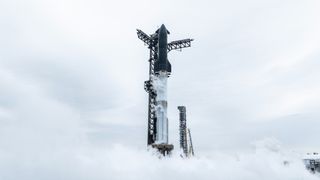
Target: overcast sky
pixel 72 72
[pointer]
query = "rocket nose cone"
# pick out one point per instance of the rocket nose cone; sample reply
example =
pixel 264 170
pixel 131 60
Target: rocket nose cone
pixel 163 29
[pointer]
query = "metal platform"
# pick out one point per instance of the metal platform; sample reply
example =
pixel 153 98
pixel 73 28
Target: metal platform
pixel 164 149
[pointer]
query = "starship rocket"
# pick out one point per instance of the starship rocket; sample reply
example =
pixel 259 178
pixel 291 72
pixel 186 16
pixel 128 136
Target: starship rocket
pixel 156 86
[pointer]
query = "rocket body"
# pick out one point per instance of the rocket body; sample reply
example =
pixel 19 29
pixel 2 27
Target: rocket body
pixel 160 84
pixel 162 69
pixel 162 63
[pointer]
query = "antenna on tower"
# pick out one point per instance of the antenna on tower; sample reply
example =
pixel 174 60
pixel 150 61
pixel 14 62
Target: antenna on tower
pixel 190 151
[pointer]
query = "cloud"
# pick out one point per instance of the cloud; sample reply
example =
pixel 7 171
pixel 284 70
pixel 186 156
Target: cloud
pixel 122 162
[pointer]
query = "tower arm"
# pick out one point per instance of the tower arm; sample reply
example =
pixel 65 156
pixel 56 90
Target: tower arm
pixel 184 43
pixel 144 37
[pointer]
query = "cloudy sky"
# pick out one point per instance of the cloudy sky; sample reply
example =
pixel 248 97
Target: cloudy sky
pixel 72 72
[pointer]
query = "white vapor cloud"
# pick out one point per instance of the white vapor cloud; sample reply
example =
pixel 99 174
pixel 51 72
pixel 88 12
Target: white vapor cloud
pixel 267 161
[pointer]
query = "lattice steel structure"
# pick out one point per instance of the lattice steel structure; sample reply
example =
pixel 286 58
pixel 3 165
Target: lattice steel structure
pixel 185 133
pixel 183 129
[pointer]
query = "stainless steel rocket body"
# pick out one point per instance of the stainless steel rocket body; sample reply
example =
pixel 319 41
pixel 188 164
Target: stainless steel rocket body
pixel 160 84
pixel 162 71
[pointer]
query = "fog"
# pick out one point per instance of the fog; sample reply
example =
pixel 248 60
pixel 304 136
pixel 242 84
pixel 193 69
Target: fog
pixel 267 160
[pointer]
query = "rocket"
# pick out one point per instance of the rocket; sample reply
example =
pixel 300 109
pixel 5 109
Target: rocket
pixel 162 70
pixel 156 86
